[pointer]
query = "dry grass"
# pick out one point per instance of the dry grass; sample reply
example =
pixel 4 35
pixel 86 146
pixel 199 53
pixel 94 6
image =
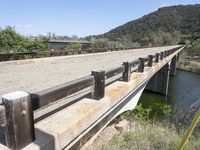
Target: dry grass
pixel 150 136
pixel 189 65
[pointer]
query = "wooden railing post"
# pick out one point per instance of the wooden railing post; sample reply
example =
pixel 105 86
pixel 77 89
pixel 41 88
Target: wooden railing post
pixel 157 58
pixel 127 72
pixel 150 60
pixel 3 138
pixel 79 51
pixel 19 119
pixel 141 65
pixel 99 87
pixel 161 55
pixel 165 54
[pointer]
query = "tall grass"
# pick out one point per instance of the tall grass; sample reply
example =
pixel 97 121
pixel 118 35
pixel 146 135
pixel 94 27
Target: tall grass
pixel 189 65
pixel 148 133
pixel 148 136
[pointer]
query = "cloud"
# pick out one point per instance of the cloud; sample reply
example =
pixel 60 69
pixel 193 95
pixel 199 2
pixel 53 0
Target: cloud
pixel 28 26
pixel 164 5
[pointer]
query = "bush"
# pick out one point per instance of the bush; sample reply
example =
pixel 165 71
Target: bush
pixel 12 41
pixel 189 65
pixel 73 46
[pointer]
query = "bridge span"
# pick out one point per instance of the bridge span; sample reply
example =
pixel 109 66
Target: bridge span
pixel 67 116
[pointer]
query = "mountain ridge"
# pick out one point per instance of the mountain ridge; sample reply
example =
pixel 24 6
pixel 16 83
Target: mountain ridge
pixel 167 25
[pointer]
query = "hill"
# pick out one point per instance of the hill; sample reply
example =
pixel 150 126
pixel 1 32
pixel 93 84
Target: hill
pixel 167 25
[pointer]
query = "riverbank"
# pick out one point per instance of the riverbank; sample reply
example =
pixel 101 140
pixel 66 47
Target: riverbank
pixel 143 135
pixel 189 65
pixel 151 136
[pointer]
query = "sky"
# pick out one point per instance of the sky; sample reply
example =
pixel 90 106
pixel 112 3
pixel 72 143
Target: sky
pixel 76 17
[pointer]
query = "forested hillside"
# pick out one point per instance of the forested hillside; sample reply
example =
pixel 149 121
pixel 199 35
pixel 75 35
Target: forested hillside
pixel 168 25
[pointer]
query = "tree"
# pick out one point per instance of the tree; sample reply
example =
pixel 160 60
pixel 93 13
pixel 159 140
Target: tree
pixel 12 41
pixel 100 43
pixel 195 49
pixel 74 46
pixel 9 39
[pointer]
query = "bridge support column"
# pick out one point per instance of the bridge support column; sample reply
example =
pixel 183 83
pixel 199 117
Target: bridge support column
pixel 173 66
pixel 159 82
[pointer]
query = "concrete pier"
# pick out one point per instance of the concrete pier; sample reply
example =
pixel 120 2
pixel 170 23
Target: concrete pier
pixel 159 82
pixel 173 66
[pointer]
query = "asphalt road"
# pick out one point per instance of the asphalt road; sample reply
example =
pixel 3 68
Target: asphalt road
pixel 37 74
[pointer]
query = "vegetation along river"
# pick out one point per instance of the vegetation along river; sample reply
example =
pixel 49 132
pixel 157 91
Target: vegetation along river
pixel 184 90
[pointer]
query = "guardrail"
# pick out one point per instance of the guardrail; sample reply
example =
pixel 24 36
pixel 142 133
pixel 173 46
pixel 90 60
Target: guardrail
pixel 39 53
pixel 16 56
pixel 16 110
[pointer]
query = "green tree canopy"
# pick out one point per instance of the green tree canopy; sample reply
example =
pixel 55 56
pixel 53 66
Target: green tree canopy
pixel 10 40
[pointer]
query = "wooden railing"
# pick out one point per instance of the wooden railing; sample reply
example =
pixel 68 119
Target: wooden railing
pixel 16 109
pixel 38 54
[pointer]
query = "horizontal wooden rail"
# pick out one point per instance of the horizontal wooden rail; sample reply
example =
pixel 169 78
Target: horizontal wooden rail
pixel 112 72
pixel 48 53
pixel 53 94
pixel 134 63
pixel 17 54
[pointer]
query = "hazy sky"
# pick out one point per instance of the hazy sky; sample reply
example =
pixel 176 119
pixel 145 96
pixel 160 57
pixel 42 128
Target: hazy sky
pixel 79 17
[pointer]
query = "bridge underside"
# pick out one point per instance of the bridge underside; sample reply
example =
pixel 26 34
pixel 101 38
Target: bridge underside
pixel 74 126
pixel 160 80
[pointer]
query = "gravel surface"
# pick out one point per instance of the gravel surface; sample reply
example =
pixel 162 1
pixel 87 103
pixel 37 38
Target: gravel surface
pixel 37 74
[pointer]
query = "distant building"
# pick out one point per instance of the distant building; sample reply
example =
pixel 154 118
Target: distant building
pixel 62 44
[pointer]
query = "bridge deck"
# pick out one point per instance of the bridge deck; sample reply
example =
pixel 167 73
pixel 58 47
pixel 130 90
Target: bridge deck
pixel 38 74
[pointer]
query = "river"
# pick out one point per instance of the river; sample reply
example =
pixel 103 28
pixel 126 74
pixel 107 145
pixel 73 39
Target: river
pixel 184 90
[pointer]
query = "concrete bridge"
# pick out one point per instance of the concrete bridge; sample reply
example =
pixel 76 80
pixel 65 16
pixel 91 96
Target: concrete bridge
pixel 53 115
pixel 61 44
